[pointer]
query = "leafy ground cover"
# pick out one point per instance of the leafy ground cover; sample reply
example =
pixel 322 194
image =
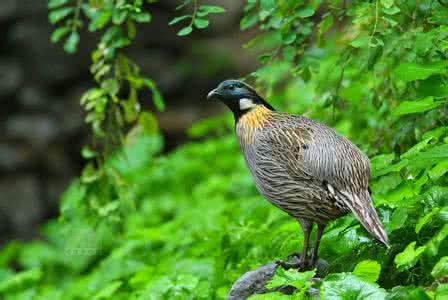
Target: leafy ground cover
pixel 187 224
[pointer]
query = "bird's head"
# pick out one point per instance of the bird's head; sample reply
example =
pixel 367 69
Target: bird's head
pixel 238 96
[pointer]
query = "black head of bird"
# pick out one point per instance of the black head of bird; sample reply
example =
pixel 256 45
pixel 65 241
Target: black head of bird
pixel 238 96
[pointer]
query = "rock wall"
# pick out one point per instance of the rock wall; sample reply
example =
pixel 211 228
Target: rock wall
pixel 40 86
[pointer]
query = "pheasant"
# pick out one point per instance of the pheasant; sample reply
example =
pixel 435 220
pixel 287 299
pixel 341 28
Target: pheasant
pixel 301 166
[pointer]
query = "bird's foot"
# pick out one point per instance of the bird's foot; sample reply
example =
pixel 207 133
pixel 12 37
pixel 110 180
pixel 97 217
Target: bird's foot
pixel 295 261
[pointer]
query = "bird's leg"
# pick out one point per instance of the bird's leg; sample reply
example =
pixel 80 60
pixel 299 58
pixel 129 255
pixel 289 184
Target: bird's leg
pixel 302 260
pixel 320 230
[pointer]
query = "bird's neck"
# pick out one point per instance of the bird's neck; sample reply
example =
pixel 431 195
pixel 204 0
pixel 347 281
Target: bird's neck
pixel 255 117
pixel 252 120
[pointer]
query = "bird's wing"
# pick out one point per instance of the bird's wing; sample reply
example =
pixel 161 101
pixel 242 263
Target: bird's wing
pixel 310 150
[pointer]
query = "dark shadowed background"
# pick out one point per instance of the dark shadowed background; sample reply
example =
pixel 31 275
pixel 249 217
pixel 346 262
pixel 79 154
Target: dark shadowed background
pixel 41 122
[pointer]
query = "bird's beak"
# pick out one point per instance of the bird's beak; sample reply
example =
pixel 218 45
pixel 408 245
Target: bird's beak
pixel 212 94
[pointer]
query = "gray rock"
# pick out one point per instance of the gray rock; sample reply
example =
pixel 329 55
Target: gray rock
pixel 38 129
pixel 254 282
pixel 8 9
pixel 33 97
pixel 20 200
pixel 14 156
pixel 11 76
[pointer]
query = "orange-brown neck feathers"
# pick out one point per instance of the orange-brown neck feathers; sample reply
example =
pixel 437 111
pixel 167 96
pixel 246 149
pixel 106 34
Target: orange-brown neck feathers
pixel 249 123
pixel 257 117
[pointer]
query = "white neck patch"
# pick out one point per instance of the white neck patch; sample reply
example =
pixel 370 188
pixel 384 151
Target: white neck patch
pixel 246 103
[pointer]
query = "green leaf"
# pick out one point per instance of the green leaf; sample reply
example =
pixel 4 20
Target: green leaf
pixel 108 291
pixel 59 14
pixel 433 245
pixel 416 148
pixel 211 9
pixel 418 106
pixel 100 21
pixel 441 268
pixel 248 21
pixel 185 31
pixel 387 3
pixel 59 33
pixel 368 270
pixel 326 24
pixel 201 23
pixel 347 286
pixel 441 292
pixel 409 257
pixel 414 71
pixel 434 86
pixel 178 19
pixel 267 5
pixel 426 219
pixel 141 17
pixel 305 12
pixel 296 279
pixel 156 96
pixel 111 86
pixel 397 220
pixel 20 280
pixel 71 44
pixel 56 3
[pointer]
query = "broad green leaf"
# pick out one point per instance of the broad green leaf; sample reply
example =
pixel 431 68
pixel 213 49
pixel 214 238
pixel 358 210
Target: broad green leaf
pixel 296 279
pixel 267 5
pixel 414 71
pixel 441 268
pixel 426 219
pixel 347 286
pixel 387 3
pixel 417 106
pixel 185 31
pixel 305 12
pixel 434 86
pixel 368 270
pixel 416 148
pixel 58 15
pixel 441 292
pixel 408 293
pixel 398 219
pixel 438 170
pixel 433 245
pixel 409 257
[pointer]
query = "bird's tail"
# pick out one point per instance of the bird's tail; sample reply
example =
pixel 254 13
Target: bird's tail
pixel 366 214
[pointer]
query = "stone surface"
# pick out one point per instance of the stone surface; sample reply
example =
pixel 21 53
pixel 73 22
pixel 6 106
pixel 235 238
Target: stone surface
pixel 20 200
pixel 254 282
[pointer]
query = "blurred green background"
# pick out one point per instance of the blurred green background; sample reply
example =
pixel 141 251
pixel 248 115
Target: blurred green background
pixel 160 204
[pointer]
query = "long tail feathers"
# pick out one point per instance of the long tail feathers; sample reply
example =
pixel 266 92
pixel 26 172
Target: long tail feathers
pixel 366 214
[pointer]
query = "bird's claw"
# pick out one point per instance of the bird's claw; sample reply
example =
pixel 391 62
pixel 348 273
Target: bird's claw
pixel 293 263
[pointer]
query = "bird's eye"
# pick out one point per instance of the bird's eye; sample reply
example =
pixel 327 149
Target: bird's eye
pixel 231 87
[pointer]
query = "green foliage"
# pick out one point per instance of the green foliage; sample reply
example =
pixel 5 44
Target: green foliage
pixel 198 18
pixel 187 224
